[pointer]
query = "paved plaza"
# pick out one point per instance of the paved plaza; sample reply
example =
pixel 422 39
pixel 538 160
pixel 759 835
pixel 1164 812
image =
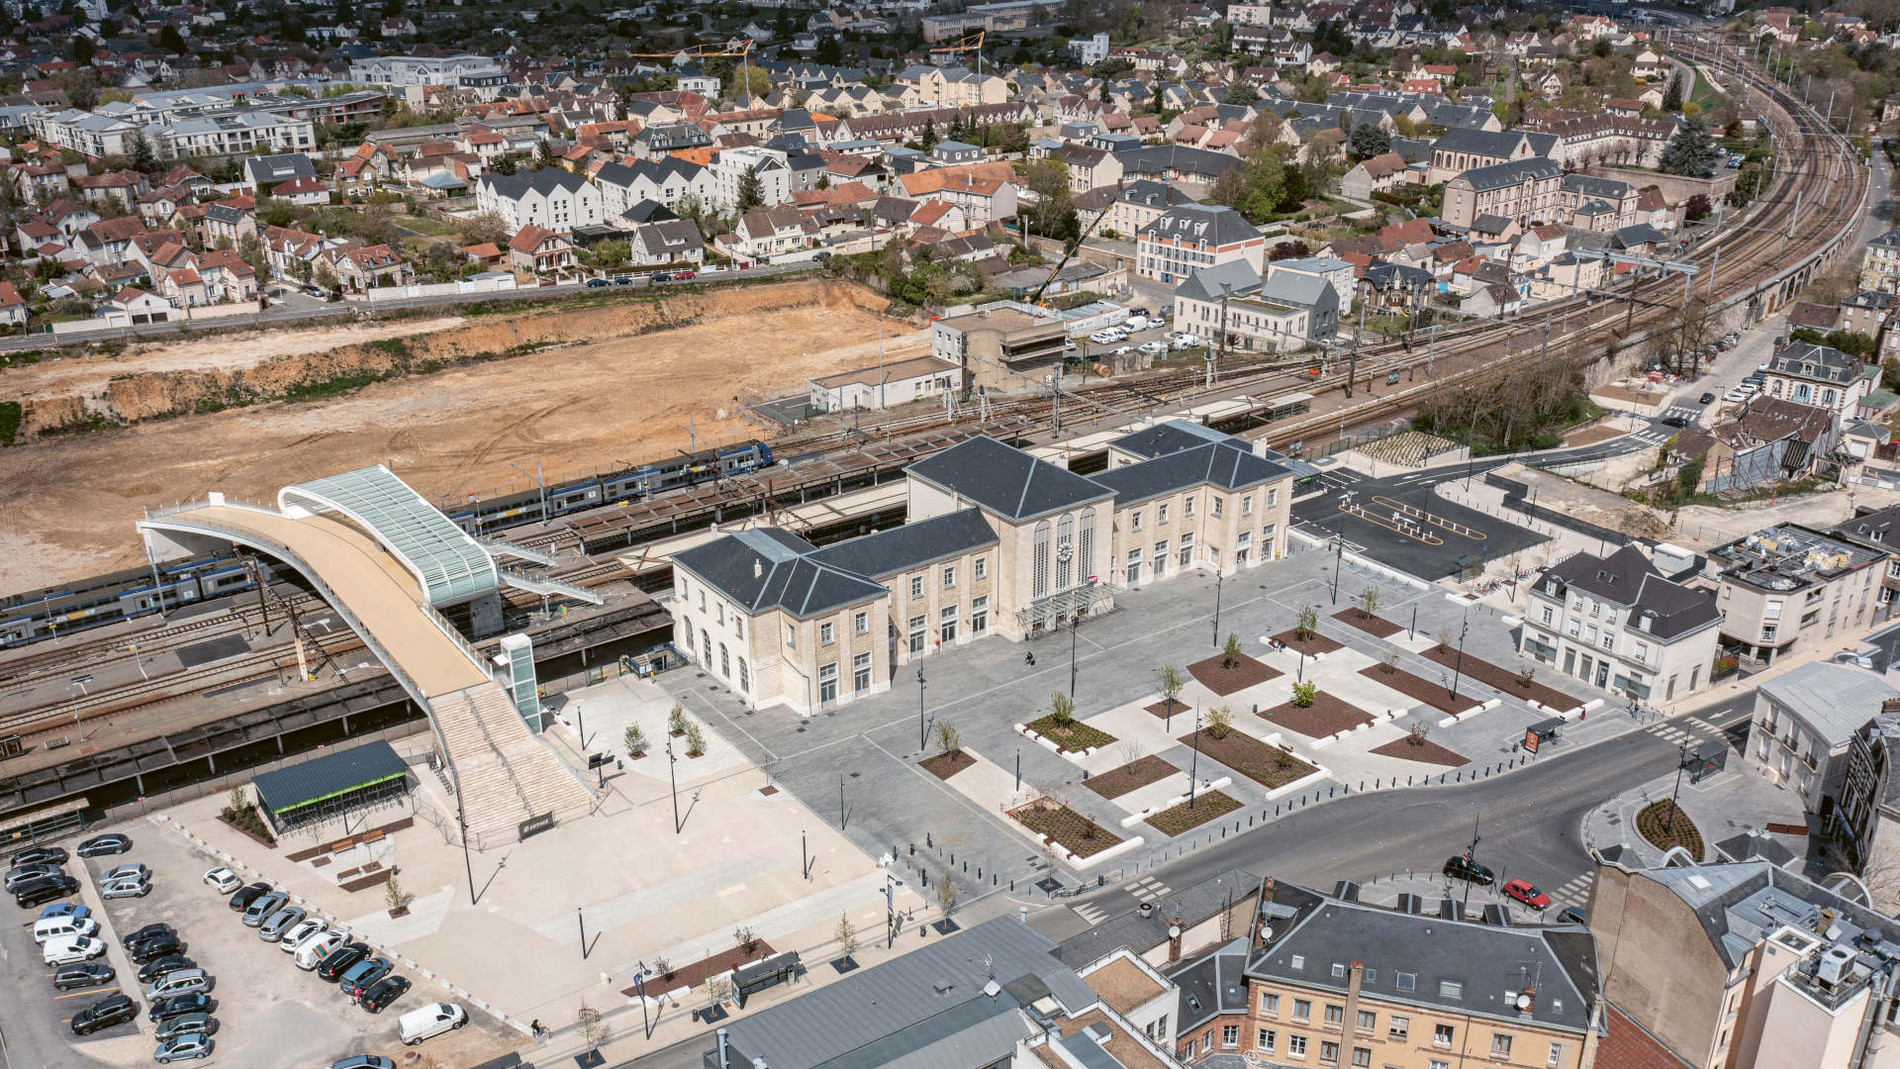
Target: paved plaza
pixel 860 766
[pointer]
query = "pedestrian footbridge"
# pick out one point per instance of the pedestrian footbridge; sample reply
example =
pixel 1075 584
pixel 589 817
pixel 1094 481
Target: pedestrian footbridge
pixel 388 562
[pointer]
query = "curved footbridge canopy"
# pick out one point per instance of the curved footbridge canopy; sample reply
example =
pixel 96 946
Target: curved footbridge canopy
pixel 387 560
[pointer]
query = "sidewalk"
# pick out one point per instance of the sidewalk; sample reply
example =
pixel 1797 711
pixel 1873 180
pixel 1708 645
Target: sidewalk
pixel 1732 802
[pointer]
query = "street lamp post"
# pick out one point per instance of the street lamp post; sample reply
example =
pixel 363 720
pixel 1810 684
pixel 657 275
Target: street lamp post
pixel 920 707
pixel 1457 673
pixel 1194 764
pixel 1075 621
pixel 462 821
pixel 1471 855
pixel 1218 578
pixel 1339 555
pixel 1682 758
pixel 672 782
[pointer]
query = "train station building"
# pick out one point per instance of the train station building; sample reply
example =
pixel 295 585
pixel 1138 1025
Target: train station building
pixel 997 542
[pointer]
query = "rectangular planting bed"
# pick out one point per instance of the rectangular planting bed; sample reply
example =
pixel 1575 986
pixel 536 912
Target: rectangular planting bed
pixel 1266 765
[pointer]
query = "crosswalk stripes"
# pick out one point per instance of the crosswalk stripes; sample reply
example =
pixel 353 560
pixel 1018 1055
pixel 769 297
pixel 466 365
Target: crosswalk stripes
pixel 1705 725
pixel 1672 733
pixel 1651 435
pixel 1147 888
pixel 1575 891
pixel 1092 914
pixel 1691 413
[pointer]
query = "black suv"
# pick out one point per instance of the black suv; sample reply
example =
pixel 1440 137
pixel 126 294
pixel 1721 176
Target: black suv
pixel 40 855
pixel 1463 868
pixel 338 961
pixel 248 894
pixel 108 1011
pixel 154 969
pixel 150 931
pixel 153 949
pixel 179 1005
pixel 38 892
pixel 382 993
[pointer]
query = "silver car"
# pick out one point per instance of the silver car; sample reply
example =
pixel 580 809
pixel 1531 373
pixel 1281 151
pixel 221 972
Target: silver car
pixel 259 911
pixel 278 923
pixel 125 888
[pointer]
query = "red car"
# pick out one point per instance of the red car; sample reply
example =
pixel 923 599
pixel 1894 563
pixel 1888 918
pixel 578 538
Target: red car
pixel 1526 892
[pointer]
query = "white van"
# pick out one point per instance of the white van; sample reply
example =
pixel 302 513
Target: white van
pixel 311 951
pixel 71 948
pixel 428 1021
pixel 62 927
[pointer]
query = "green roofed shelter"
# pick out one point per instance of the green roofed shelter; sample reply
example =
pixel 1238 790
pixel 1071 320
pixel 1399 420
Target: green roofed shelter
pixel 332 785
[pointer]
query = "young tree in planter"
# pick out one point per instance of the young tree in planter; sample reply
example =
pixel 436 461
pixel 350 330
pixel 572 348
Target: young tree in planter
pixel 947 896
pixel 847 935
pixel 1230 652
pixel 1390 664
pixel 676 721
pixel 695 741
pixel 1169 677
pixel 1219 721
pixel 592 1029
pixel 949 740
pixel 1527 677
pixel 1368 602
pixel 393 894
pixel 1304 693
pixel 1418 733
pixel 1306 624
pixel 636 741
pixel 745 939
pixel 1061 709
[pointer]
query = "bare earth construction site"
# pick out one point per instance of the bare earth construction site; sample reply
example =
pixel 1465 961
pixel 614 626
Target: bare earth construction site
pixel 578 389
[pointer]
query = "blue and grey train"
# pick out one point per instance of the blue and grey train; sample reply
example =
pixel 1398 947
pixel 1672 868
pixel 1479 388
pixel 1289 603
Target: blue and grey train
pixel 628 484
pixel 105 599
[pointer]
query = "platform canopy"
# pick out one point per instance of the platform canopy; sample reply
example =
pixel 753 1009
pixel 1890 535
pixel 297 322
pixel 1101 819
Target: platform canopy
pixel 337 782
pixel 448 564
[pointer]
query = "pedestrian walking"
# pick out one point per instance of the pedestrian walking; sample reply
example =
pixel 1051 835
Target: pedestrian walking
pixel 1029 659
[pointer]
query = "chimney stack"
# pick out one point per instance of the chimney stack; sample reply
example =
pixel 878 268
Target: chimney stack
pixel 1527 1002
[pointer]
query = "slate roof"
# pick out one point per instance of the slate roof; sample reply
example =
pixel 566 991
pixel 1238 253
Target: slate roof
pixel 1169 437
pixel 1627 578
pixel 1223 466
pixel 1509 173
pixel 1834 699
pixel 1741 904
pixel 926 1009
pixel 909 545
pixel 769 568
pixel 1299 290
pixel 545 181
pixel 1830 364
pixel 1211 224
pixel 1006 481
pixel 1235 277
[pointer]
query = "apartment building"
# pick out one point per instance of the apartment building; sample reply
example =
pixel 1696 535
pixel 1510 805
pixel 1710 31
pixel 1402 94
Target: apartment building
pixel 1140 203
pixel 1231 306
pixel 664 181
pixel 551 198
pixel 1523 191
pixel 1880 263
pixel 460 71
pixel 1804 724
pixel 1788 583
pixel 731 165
pixel 1616 622
pixel 1741 966
pixel 1465 148
pixel 1332 981
pixel 997 542
pixel 1866 820
pixel 1876 529
pixel 1192 236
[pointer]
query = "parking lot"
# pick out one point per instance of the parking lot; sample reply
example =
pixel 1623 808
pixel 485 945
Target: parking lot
pixel 270 1014
pixel 1153 337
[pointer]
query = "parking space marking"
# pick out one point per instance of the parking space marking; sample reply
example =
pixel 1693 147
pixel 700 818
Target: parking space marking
pixel 100 991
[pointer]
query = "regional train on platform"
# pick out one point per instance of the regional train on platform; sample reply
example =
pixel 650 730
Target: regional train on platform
pixel 61 610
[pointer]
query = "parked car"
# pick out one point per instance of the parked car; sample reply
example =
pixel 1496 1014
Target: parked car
pixel 158 967
pixel 246 895
pixel 71 949
pixel 1673 421
pixel 126 888
pixel 179 1005
pixel 65 909
pixel 52 928
pixel 428 1021
pixel 382 993
pixel 82 974
pixel 363 1061
pixel 314 949
pixel 262 907
pixel 150 931
pixel 1526 892
pixel 181 1048
pixel 278 923
pixel 360 976
pixel 153 949
pixel 299 932
pixel 622 280
pixel 597 283
pixel 39 855
pixel 182 982
pixel 1154 348
pixel 1572 915
pixel 338 961
pixel 20 874
pixel 108 1011
pixel 126 872
pixel 224 881
pixel 105 845
pixel 41 891
pixel 1135 322
pixel 1462 867
pixel 1705 399
pixel 185 1024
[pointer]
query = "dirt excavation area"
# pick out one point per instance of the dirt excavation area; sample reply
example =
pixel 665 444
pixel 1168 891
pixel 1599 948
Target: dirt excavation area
pixel 458 408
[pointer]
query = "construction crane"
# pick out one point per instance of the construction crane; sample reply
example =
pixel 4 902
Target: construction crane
pixel 972 42
pixel 1068 253
pixel 742 52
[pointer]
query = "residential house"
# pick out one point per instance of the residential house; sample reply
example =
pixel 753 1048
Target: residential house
pixel 731 167
pixel 666 241
pixel 552 199
pixel 1377 174
pixel 1804 723
pixel 536 250
pixel 764 232
pixel 1187 238
pixel 1616 622
pixel 1787 583
pixel 1818 375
